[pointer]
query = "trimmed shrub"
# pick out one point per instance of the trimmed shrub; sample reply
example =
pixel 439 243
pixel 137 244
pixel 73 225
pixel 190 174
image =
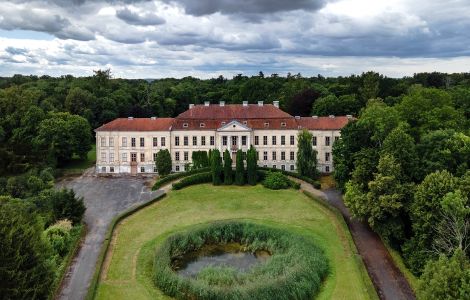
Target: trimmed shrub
pixel 251 166
pixel 295 270
pixel 193 179
pixel 216 167
pixel 276 181
pixel 240 169
pixel 163 162
pixel 315 183
pixel 164 180
pixel 228 176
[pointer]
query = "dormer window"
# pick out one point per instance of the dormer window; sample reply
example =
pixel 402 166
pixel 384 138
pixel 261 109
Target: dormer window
pixel 185 125
pixel 266 124
pixel 283 124
pixel 202 125
pixel 223 123
pixel 245 122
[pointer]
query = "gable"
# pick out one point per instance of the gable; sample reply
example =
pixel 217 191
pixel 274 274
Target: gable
pixel 234 126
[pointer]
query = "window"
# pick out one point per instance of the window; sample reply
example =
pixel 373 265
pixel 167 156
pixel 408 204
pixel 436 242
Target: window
pixel 274 155
pixel 111 142
pixel 274 167
pixel 257 155
pixel 162 141
pixel 177 156
pixel 142 142
pixel 202 125
pixel 111 169
pixel 134 157
pixel 292 167
pixel 111 157
pixel 103 169
pixel 265 155
pixel 265 166
pixel 292 139
pixel 132 142
pixel 327 156
pixel 203 140
pixel 186 155
pixel 336 138
pixel 184 168
pixel 266 124
pixel 177 140
pixel 155 169
pixel 223 123
pixel 327 169
pixel 283 140
pixel 224 140
pixel 283 155
pixel 103 142
pixel 194 140
pixel 124 157
pixel 245 122
pixel 327 140
pixel 103 156
pixel 142 169
pixel 124 142
pixel 185 125
pixel 155 142
pixel 155 157
pixel 185 141
pixel 177 168
pixel 274 140
pixel 283 167
pixel 256 140
pixel 212 141
pixel 142 156
pixel 234 140
pixel 292 155
pixel 265 140
pixel 314 141
pixel 283 124
pixel 244 140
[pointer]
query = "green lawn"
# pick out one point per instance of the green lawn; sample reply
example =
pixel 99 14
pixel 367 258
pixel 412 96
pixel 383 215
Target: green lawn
pixel 128 266
pixel 79 165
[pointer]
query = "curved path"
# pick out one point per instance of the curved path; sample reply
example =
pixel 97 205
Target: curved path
pixel 387 278
pixel 104 198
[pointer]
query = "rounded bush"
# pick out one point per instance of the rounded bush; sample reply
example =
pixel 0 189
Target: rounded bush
pixel 276 181
pixel 295 270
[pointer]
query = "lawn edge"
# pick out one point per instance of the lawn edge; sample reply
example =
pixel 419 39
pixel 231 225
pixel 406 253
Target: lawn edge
pixel 371 291
pixel 398 261
pixel 104 248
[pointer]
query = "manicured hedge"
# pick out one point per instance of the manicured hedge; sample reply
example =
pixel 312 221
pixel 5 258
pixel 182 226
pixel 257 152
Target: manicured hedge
pixel 295 270
pixel 261 175
pixel 315 183
pixel 167 179
pixel 193 179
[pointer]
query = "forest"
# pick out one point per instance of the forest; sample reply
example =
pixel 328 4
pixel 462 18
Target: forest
pixel 403 164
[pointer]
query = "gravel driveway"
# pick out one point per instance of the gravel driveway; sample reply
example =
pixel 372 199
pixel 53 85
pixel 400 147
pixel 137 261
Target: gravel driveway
pixel 104 198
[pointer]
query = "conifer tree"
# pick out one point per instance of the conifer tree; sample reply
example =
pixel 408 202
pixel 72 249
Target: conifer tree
pixel 251 166
pixel 216 167
pixel 240 169
pixel 228 177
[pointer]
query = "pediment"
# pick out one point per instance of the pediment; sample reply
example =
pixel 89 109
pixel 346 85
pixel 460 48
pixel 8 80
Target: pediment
pixel 234 126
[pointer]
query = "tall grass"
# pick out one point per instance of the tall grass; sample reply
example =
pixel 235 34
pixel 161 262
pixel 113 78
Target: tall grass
pixel 295 270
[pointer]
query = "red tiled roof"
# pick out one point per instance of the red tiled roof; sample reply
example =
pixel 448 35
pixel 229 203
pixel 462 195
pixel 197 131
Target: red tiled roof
pixel 192 124
pixel 323 123
pixel 233 111
pixel 138 124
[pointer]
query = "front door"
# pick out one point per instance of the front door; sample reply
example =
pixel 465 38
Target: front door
pixel 133 163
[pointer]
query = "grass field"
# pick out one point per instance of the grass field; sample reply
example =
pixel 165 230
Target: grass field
pixel 128 265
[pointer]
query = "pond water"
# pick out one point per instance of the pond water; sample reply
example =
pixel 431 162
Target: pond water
pixel 232 255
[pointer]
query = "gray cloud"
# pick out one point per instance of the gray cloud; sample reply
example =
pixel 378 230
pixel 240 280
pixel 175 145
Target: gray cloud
pixel 134 18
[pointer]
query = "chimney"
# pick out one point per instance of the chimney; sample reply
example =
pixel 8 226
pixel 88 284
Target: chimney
pixel 314 117
pixel 260 103
pixel 153 118
pixel 245 103
pixel 222 103
pixel 191 105
pixel 332 116
pixel 206 103
pixel 276 104
pixel 349 117
pixel 130 118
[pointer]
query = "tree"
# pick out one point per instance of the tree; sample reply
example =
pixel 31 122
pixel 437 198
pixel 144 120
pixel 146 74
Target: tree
pixel 77 100
pixel 239 169
pixel 216 167
pixel 199 159
pixel 228 177
pixel 306 155
pixel 370 85
pixel 64 205
pixel 446 278
pixel 163 162
pixel 251 166
pixel 25 271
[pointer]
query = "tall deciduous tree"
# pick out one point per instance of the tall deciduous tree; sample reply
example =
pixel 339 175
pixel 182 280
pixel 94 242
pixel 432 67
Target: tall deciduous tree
pixel 216 167
pixel 228 176
pixel 251 166
pixel 163 162
pixel 240 169
pixel 306 155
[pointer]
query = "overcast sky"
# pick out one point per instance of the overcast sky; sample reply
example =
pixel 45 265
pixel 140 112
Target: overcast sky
pixel 207 38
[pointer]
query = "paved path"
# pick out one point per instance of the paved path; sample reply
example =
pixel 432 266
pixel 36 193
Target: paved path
pixel 104 198
pixel 387 278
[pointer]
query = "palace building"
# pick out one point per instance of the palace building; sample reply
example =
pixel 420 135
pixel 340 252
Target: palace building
pixel 130 145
